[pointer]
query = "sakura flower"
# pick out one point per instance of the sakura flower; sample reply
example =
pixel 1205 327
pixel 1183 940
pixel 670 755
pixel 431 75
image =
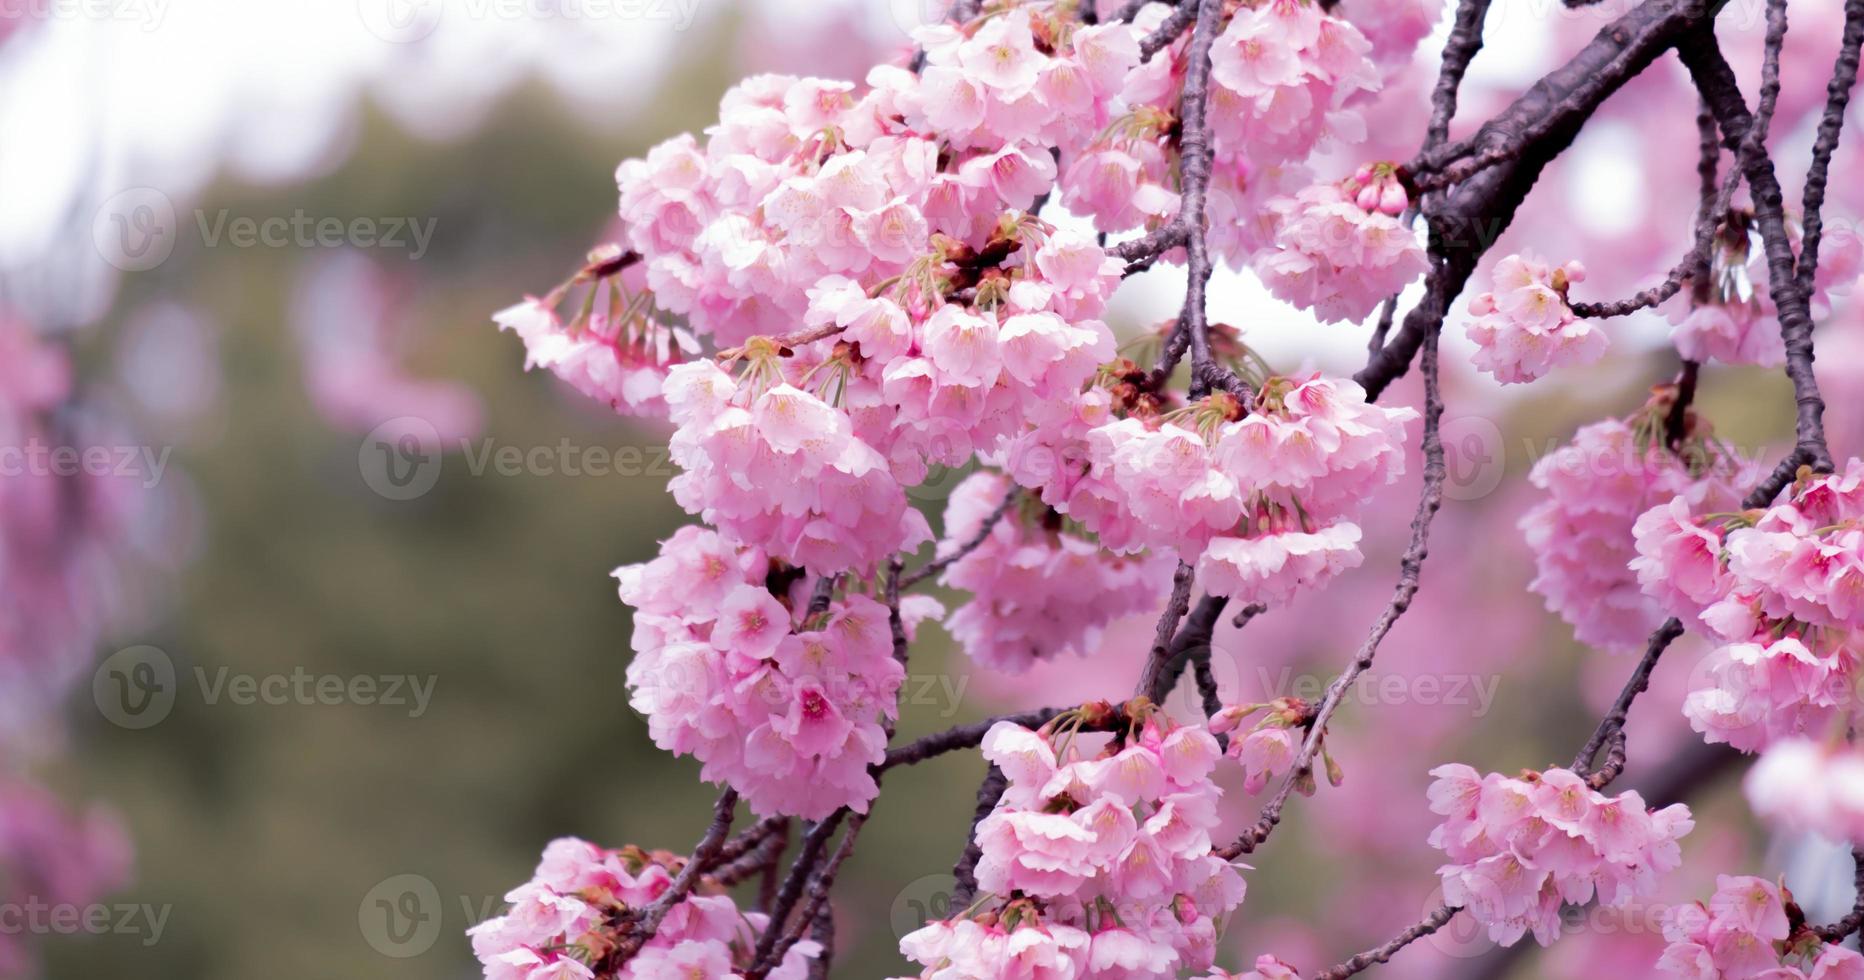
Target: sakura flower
pixel 1337 258
pixel 1528 846
pixel 1037 593
pixel 1524 328
pixel 1744 932
pixel 790 713
pixel 1064 837
pixel 1602 489
pixel 615 357
pixel 1801 785
pixel 573 909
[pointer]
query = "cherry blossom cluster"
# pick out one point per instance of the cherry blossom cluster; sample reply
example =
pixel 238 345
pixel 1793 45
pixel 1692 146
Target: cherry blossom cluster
pixel 1393 26
pixel 1271 745
pixel 777 467
pixel 1037 591
pixel 1265 498
pixel 787 707
pixel 568 922
pixel 1597 487
pixel 1749 930
pixel 614 350
pixel 1340 249
pixel 802 179
pixel 1523 328
pixel 1520 848
pixel 1104 862
pixel 1782 588
pixel 1287 77
pixel 1804 785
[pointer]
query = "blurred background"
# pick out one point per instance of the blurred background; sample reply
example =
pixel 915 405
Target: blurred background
pixel 285 699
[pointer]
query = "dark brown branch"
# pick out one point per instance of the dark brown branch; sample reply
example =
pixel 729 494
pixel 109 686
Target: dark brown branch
pixel 1610 730
pixel 961 737
pixel 989 792
pixel 814 905
pixel 1191 645
pixel 1837 931
pixel 1195 161
pixel 1383 328
pixel 1702 55
pixel 1676 423
pixel 738 846
pixel 1458 51
pixel 1153 676
pixel 767 851
pixel 1531 132
pixel 1169 31
pixel 807 856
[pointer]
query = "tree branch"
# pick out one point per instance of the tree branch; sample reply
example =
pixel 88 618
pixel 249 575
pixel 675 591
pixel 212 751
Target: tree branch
pixel 1411 568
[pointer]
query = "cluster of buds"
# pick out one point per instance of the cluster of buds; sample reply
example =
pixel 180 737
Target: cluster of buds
pixel 1379 187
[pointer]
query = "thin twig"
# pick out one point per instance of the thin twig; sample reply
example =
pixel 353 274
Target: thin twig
pixel 1384 951
pixel 1411 568
pixel 1831 125
pixel 971 544
pixel 1610 730
pixel 704 857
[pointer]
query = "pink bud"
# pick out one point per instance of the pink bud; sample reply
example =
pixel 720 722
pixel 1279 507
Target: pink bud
pixel 1368 198
pixel 1393 201
pixel 1575 271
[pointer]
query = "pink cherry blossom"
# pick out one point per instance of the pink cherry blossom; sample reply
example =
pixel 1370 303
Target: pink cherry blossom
pixel 570 913
pixel 1337 258
pixel 1601 488
pixel 1805 786
pixel 1521 848
pixel 790 712
pixel 1524 328
pixel 1743 932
